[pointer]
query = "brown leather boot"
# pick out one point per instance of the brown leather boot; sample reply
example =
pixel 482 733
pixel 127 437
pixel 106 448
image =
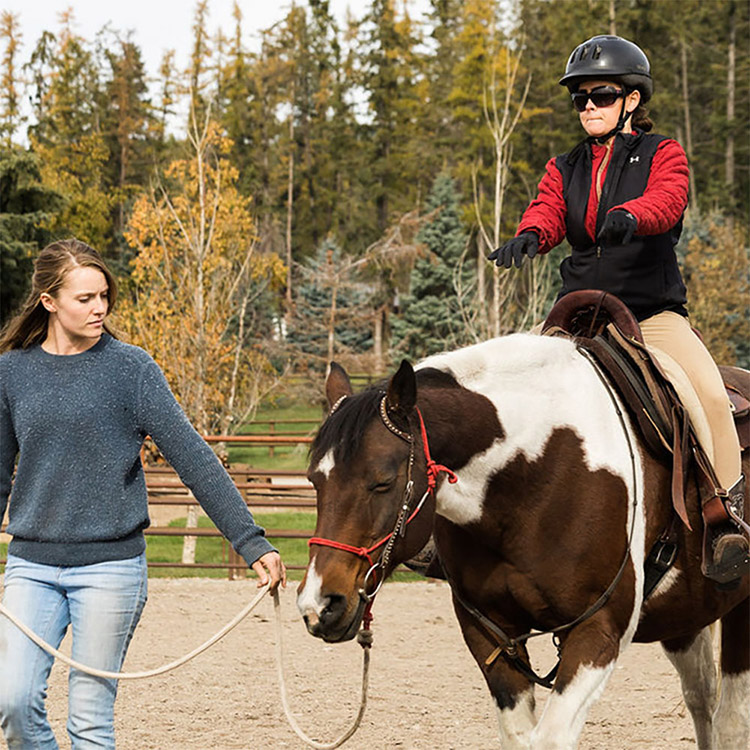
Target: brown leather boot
pixel 726 542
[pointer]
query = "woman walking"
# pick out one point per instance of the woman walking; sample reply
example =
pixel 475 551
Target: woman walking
pixel 75 407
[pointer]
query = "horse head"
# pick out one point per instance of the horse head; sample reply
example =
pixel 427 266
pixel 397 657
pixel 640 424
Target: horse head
pixel 374 504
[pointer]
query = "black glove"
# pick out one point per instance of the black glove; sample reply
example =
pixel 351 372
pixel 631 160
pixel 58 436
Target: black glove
pixel 514 249
pixel 618 228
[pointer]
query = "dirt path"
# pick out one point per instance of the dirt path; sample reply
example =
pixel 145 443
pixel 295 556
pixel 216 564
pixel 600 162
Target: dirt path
pixel 426 693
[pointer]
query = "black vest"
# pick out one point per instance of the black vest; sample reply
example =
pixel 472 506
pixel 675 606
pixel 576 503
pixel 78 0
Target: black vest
pixel 644 274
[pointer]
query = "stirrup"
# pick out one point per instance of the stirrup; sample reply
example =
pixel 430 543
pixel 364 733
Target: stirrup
pixel 726 556
pixel 726 549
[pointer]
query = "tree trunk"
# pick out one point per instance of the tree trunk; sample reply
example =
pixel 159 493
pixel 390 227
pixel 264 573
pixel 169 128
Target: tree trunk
pixel 123 173
pixel 377 338
pixel 495 306
pixel 686 109
pixel 188 542
pixel 289 206
pixel 200 251
pixel 481 286
pixel 729 165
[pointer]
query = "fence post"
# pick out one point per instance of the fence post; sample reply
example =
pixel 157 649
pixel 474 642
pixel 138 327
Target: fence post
pixel 271 431
pixel 235 559
pixel 191 522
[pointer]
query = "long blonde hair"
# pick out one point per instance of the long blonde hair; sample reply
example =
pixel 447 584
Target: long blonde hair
pixel 29 325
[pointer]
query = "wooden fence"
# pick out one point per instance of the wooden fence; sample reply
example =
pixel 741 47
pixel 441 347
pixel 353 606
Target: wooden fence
pixel 267 489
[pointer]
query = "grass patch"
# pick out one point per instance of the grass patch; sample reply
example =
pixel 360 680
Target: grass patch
pixel 216 549
pixel 288 457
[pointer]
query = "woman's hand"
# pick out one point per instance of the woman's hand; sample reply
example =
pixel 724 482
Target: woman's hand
pixel 618 228
pixel 527 243
pixel 276 574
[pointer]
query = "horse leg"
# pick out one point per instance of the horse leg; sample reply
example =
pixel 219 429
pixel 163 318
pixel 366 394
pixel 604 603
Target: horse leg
pixel 731 725
pixel 693 658
pixel 512 692
pixel 515 706
pixel 587 662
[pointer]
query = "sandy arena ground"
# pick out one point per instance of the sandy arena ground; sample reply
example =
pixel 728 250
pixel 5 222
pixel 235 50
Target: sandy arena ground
pixel 426 693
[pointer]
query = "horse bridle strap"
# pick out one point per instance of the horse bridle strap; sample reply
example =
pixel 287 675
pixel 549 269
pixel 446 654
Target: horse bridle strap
pixel 433 470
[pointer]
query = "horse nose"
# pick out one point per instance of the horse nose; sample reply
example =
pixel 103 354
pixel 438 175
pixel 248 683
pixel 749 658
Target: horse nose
pixel 311 622
pixel 319 623
pixel 333 611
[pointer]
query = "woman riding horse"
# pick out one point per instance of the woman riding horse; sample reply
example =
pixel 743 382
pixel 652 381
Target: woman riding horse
pixel 619 198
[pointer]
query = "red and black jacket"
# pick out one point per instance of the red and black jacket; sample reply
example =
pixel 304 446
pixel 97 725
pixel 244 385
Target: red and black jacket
pixel 642 173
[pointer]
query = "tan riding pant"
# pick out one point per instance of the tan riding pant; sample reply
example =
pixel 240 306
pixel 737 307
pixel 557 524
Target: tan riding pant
pixel 671 333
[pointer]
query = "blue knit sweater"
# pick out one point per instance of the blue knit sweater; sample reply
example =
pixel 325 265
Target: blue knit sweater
pixel 77 423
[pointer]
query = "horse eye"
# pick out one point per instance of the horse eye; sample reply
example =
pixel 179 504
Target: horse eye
pixel 382 486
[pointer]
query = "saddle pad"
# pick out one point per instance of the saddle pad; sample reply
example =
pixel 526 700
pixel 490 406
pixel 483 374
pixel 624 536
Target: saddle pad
pixel 688 397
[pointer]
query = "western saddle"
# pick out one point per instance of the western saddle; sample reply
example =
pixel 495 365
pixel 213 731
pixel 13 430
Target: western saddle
pixel 604 327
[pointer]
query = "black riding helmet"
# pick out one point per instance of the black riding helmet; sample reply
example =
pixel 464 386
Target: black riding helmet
pixel 610 58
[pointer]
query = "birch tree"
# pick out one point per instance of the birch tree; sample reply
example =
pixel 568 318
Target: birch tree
pixel 517 299
pixel 196 272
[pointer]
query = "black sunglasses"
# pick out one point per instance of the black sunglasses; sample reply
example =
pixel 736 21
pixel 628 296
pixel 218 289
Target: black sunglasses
pixel 605 96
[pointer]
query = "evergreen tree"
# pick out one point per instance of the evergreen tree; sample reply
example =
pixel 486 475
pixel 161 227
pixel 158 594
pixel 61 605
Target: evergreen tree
pixel 67 136
pixel 391 72
pixel 167 95
pixel 331 312
pixel 431 319
pixel 25 208
pixel 126 120
pixel 199 62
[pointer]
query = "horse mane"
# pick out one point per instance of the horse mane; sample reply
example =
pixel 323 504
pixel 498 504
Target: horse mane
pixel 342 431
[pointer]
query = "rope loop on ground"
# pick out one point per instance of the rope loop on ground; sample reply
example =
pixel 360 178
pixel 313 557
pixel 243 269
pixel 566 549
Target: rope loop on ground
pixel 282 686
pixel 364 639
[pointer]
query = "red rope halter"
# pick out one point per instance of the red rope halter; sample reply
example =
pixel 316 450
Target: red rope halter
pixel 434 469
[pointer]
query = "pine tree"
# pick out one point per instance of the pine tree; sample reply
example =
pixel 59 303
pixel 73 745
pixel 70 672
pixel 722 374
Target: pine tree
pixel 67 136
pixel 199 62
pixel 390 73
pixel 126 120
pixel 431 319
pixel 26 206
pixel 332 313
pixel 167 94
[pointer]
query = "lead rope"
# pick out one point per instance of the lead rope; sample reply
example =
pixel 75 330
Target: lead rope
pixel 364 639
pixel 134 675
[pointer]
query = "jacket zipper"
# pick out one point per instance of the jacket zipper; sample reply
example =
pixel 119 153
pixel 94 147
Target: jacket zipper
pixel 598 186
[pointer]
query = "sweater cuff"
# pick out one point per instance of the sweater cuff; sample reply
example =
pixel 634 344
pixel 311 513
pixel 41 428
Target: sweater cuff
pixel 255 548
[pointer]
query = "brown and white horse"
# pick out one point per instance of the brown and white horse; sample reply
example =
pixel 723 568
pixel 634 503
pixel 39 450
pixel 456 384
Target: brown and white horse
pixel 555 507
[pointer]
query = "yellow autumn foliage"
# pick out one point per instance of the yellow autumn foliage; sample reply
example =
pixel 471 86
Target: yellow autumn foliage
pixel 194 275
pixel 717 268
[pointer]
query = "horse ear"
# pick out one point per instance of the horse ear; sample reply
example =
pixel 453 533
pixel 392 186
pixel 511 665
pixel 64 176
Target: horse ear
pixel 402 389
pixel 338 384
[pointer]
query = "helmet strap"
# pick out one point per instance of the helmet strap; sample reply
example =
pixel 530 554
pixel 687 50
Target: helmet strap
pixel 623 118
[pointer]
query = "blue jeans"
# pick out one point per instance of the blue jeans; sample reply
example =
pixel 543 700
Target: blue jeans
pixel 102 603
